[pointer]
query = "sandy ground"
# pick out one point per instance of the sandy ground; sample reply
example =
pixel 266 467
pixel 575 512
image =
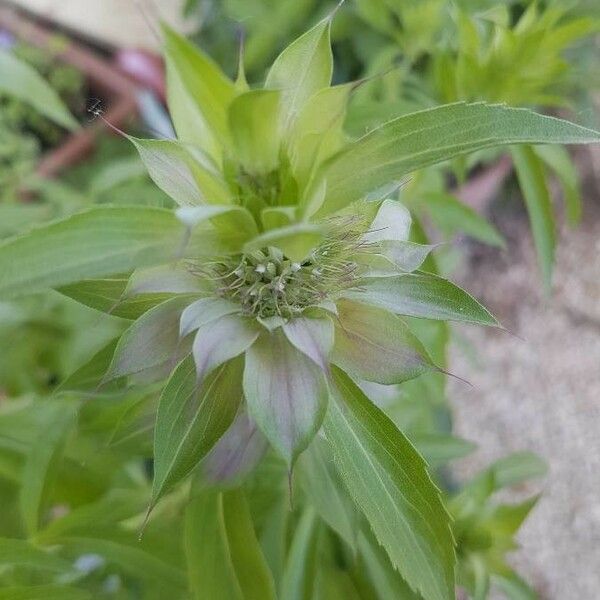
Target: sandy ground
pixel 541 393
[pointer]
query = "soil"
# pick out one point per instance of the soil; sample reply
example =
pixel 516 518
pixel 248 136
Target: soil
pixel 540 391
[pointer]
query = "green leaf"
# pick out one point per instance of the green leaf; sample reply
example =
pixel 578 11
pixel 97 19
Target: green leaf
pixel 324 488
pixel 151 343
pixel 221 340
pixel 209 565
pixel 301 566
pixel 228 218
pixel 253 575
pixel 21 80
pixel 558 159
pixel 295 241
pixel 421 295
pixel 180 175
pixel 41 467
pixel 449 213
pixel 313 337
pixel 434 135
pixel 388 479
pixel 303 68
pixel 438 448
pixel 190 420
pixel 375 345
pixel 198 94
pixel 286 393
pixel 92 244
pixel 517 468
pixel 23 554
pixel 532 179
pixel 205 311
pixel 254 126
pixel 513 586
pixel 44 592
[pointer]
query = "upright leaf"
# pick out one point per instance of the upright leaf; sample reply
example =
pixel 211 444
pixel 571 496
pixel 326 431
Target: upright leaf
pixel 286 393
pixel 389 481
pixel 44 592
pixel 532 179
pixel 434 135
pixel 190 420
pixel 303 68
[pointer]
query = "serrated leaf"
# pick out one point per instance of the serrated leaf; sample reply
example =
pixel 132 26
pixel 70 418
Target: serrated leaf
pixel 254 126
pixel 286 393
pixel 389 481
pixel 532 180
pixel 375 345
pixel 252 572
pixel 198 95
pixel 303 68
pixel 22 81
pixel 421 295
pixel 431 136
pixel 41 466
pixel 190 420
pixel 98 242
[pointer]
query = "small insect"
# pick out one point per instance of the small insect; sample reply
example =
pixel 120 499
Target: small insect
pixel 95 109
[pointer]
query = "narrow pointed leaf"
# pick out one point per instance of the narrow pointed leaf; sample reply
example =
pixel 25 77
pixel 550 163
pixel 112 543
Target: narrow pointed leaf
pixel 303 68
pixel 388 479
pixel 190 420
pixel 44 592
pixel 24 554
pixel 286 394
pixel 22 81
pixel 295 241
pixel 253 575
pixel 101 241
pixel 421 295
pixel 375 345
pixel 229 218
pixel 435 135
pixel 532 179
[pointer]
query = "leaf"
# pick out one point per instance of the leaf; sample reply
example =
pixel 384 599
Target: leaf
pixel 21 80
pixel 313 337
pixel 513 586
pixel 228 218
pixel 449 213
pixel 41 466
pixel 517 468
pixel 221 340
pixel 190 420
pixel 392 222
pixel 438 448
pixel 389 481
pixel 151 342
pixel 44 592
pixel 431 136
pixel 375 345
pixel 295 241
pixel 181 176
pixel 301 565
pixel 235 455
pixel 324 488
pixel 254 126
pixel 253 575
pixel 98 242
pixel 198 95
pixel 532 180
pixel 558 159
pixel 303 68
pixel 204 311
pixel 286 394
pixel 24 554
pixel 209 565
pixel 421 295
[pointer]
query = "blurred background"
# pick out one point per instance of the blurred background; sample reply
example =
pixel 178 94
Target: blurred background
pixel 535 387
